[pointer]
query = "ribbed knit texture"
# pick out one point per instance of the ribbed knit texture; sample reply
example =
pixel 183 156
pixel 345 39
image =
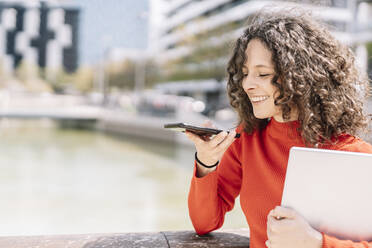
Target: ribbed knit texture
pixel 254 166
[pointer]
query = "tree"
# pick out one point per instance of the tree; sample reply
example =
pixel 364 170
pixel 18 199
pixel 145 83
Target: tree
pixel 29 75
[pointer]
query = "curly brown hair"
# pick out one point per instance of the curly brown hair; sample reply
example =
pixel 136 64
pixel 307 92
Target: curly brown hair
pixel 317 75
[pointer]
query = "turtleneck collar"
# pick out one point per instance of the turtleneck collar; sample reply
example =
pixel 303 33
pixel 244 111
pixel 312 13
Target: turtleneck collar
pixel 283 130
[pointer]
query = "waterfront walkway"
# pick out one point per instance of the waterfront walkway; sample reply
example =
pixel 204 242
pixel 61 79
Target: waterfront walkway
pixel 178 239
pixel 78 111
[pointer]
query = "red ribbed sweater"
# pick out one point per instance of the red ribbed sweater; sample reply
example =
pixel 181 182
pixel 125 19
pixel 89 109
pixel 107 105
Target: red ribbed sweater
pixel 254 166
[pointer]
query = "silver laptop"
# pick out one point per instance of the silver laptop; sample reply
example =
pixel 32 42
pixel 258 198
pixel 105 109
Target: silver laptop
pixel 332 190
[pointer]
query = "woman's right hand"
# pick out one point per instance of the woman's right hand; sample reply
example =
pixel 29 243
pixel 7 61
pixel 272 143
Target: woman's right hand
pixel 210 150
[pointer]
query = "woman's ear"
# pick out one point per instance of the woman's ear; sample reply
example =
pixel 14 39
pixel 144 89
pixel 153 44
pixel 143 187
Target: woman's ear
pixel 278 79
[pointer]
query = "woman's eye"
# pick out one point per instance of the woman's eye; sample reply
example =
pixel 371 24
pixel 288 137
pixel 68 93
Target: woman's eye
pixel 263 75
pixel 245 75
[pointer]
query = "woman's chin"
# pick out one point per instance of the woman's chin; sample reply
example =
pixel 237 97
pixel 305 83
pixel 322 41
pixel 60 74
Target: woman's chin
pixel 261 116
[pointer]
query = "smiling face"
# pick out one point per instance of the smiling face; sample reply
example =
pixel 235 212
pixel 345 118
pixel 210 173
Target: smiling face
pixel 258 73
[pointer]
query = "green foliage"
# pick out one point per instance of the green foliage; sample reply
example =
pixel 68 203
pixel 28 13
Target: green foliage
pixel 83 79
pixel 205 52
pixel 179 74
pixel 28 75
pixel 204 62
pixel 219 31
pixel 369 49
pixel 79 81
pixel 26 71
pixel 123 75
pixel 152 73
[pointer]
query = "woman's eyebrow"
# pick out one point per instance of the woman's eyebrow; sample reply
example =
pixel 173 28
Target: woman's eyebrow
pixel 266 66
pixel 258 66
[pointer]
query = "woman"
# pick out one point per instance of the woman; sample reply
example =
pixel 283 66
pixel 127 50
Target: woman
pixel 292 84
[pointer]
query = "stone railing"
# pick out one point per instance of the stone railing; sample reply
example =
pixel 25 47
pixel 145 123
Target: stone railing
pixel 179 239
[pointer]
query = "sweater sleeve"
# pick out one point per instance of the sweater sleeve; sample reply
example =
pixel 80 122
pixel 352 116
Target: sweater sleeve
pixel 211 196
pixel 332 242
pixel 355 145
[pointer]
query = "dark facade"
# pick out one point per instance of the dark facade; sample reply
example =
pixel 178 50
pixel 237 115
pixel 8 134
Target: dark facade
pixel 44 35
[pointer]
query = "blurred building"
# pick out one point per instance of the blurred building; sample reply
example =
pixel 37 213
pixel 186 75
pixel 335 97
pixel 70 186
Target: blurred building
pixel 178 26
pixel 111 24
pixel 44 33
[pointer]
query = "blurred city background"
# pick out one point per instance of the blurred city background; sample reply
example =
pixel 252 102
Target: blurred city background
pixel 86 87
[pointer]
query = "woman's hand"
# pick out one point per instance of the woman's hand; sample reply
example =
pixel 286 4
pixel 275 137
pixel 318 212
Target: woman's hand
pixel 210 150
pixel 286 229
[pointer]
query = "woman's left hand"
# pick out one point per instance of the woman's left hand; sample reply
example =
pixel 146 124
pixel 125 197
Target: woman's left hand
pixel 286 229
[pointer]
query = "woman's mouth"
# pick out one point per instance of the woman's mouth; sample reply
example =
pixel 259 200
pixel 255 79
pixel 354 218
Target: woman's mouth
pixel 258 99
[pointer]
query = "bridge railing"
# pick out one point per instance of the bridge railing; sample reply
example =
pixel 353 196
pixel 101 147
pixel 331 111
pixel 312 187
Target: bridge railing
pixel 176 239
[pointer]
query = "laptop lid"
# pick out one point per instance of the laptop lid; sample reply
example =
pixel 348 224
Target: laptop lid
pixel 332 190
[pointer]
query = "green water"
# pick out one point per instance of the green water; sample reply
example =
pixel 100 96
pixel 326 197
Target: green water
pixel 65 181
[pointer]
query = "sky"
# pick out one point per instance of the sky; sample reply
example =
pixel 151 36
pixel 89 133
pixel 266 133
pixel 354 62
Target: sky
pixel 109 24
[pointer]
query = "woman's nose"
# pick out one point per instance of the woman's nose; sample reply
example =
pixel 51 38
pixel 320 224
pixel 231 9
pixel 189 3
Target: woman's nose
pixel 248 83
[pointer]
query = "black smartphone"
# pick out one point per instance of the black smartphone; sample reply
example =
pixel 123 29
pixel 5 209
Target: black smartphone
pixel 201 131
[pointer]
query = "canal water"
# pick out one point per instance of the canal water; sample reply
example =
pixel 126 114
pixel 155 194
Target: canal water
pixel 66 181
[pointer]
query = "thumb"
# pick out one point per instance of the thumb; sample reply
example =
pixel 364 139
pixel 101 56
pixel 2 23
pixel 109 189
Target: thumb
pixel 280 212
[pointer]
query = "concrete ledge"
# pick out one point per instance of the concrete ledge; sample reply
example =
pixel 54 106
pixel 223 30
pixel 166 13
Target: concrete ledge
pixel 179 239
